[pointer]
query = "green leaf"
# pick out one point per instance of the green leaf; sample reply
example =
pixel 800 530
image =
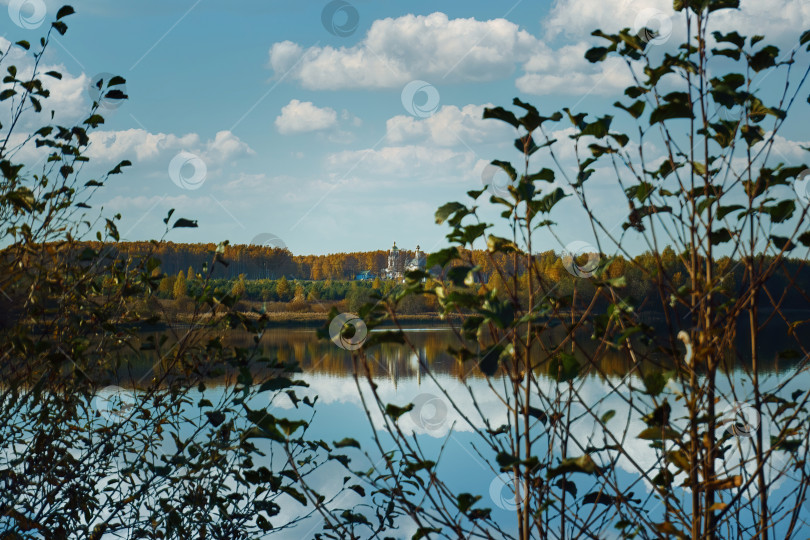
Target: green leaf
pixel 347 442
pixel 60 27
pixel 423 532
pixel 781 211
pixel 447 210
pixel 465 501
pixel 395 411
pixel 215 417
pixel 117 169
pixel 64 11
pixel 184 223
pixel 764 58
pixel 526 145
pixel 488 363
pixel 677 106
pixel 499 113
pixel 782 243
pixel 497 244
pixel 659 433
pixel 94 120
pixel 506 167
pixel 720 236
pixel 731 37
pixel 596 54
pixel 563 367
pixel 442 257
pixel 635 110
pixel 805 38
pixel 656 381
pixel 599 128
pixel 582 464
pixel 506 461
pixel 279 383
pixel 546 175
pixel 607 416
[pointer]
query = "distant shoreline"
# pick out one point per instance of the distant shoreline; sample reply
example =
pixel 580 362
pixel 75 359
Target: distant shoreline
pixel 319 319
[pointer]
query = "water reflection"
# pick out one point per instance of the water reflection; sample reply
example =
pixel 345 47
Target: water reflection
pixel 397 361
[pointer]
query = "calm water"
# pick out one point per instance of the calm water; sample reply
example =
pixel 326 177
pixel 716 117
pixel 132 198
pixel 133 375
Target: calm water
pixel 436 423
pixel 339 412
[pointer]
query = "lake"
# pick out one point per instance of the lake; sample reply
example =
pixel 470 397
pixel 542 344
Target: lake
pixel 442 431
pixel 450 438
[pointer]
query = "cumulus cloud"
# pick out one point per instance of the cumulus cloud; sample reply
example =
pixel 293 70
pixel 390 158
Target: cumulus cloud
pixel 398 50
pixel 775 18
pixel 398 162
pixel 450 126
pixel 303 116
pixel 441 50
pixel 67 98
pixel 113 146
pixel 566 70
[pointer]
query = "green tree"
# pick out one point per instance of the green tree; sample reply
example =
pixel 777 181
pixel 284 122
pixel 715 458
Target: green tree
pixel 239 287
pixel 283 289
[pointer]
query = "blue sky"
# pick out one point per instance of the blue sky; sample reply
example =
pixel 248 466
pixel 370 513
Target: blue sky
pixel 306 135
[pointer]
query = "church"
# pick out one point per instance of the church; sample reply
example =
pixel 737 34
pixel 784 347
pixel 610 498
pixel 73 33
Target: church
pixel 396 262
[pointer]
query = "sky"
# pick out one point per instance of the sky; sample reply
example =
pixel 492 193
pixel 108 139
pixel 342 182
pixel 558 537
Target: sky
pixel 341 126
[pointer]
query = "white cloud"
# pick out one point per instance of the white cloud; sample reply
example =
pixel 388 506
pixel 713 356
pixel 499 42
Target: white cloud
pixel 440 50
pixel 68 98
pixel 566 70
pixel 398 50
pixel 450 126
pixel 398 162
pixel 303 116
pixel 777 19
pixel 141 145
pixel 581 17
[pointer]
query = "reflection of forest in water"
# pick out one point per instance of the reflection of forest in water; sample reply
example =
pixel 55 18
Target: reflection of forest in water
pixel 396 361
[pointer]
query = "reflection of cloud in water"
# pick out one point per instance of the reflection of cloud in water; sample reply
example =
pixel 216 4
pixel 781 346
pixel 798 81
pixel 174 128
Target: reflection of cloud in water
pixel 623 427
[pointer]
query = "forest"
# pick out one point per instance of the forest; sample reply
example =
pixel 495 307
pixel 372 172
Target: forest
pixel 261 274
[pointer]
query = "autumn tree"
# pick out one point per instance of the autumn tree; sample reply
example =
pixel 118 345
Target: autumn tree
pixel 180 288
pixel 283 289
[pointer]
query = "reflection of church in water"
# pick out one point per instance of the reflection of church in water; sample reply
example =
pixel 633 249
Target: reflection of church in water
pixel 396 262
